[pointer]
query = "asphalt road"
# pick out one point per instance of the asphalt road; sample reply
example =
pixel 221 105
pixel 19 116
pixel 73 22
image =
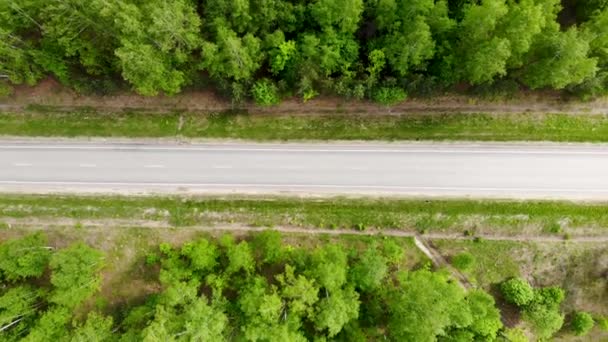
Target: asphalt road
pixel 506 171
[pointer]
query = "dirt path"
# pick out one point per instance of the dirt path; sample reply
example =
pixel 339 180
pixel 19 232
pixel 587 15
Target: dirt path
pixel 152 224
pixel 51 93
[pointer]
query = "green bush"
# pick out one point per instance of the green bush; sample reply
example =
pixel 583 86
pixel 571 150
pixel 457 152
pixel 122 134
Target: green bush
pixel 463 261
pixel 5 90
pixel 389 96
pixel 602 323
pixel 582 323
pixel 265 93
pixel 545 321
pixel 515 335
pixel 517 291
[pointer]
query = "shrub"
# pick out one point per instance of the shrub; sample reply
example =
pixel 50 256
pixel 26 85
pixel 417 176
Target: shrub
pixel 5 89
pixel 517 291
pixel 602 323
pixel 515 335
pixel 582 322
pixel 545 321
pixel 551 296
pixel 265 93
pixel 463 261
pixel 389 96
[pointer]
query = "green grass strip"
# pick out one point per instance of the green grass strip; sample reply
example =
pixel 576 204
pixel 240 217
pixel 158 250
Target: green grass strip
pixel 504 217
pixel 481 127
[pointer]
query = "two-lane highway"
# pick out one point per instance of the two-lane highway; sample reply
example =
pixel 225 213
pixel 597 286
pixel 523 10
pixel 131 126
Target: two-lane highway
pixel 508 171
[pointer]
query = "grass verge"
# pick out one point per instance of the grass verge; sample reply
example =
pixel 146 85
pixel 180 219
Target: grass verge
pixel 470 217
pixel 43 121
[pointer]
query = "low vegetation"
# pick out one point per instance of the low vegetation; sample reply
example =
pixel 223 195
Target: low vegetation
pixel 49 122
pixel 462 217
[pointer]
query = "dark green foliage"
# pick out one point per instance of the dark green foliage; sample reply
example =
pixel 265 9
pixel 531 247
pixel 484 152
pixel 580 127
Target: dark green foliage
pixel 582 322
pixel 345 47
pixel 517 291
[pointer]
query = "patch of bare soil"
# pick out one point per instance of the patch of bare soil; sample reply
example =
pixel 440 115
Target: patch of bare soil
pixel 50 93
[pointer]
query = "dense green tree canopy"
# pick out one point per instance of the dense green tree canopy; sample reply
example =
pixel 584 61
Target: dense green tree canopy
pixel 305 47
pixel 266 289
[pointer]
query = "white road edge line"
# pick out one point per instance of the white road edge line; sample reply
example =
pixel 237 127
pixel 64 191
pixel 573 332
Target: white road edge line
pixel 327 150
pixel 22 164
pixel 328 186
pixel 154 166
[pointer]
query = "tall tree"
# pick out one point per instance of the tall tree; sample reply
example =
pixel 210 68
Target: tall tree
pixel 25 257
pixel 407 29
pixel 75 274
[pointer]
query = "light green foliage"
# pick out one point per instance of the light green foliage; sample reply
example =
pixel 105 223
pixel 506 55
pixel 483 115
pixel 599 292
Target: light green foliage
pixel 407 31
pixel 268 247
pixel 50 326
pixel 258 290
pixel 463 261
pixel 484 54
pixel 17 307
pixel 183 316
pixel 602 323
pixel 389 96
pixel 144 66
pixel 265 93
pixel 486 318
pixel 307 47
pixel 299 292
pixel 157 39
pixel 392 251
pixel 202 254
pixel 240 257
pixel 545 321
pixel 281 53
pixel 377 60
pixel 96 328
pixel 426 305
pixel 543 311
pixel 517 291
pixel 582 323
pixel 370 270
pixel 559 59
pixel 549 296
pixel 230 56
pixel 24 258
pixel 334 311
pixel 328 266
pixel 515 335
pixel 596 29
pixel 74 274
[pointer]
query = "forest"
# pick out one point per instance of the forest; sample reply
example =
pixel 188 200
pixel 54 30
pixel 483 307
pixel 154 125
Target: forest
pixel 383 50
pixel 261 289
